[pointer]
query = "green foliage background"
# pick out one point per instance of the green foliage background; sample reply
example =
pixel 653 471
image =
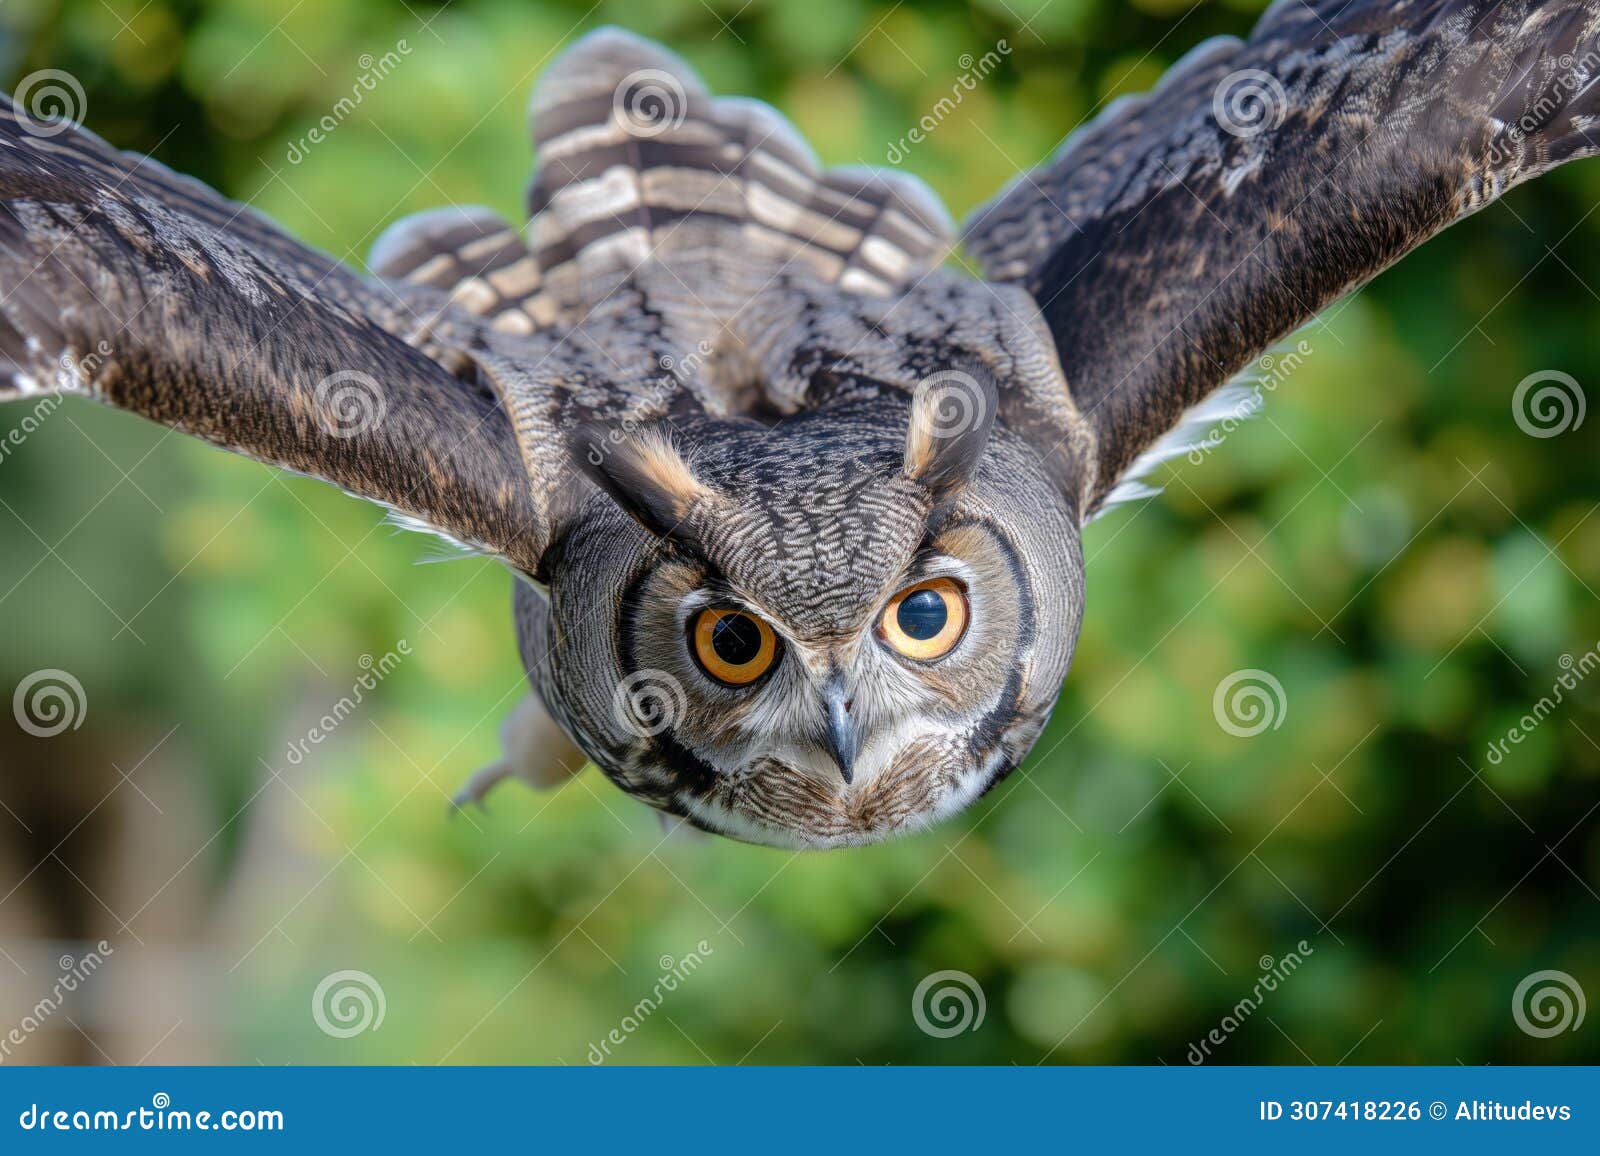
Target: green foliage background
pixel 1383 539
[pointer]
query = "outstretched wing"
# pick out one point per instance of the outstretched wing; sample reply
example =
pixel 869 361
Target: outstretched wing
pixel 152 293
pixel 1184 231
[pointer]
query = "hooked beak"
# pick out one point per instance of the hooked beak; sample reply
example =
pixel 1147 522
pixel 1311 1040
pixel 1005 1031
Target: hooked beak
pixel 844 742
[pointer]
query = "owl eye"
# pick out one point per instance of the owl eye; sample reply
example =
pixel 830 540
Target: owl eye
pixel 926 621
pixel 733 647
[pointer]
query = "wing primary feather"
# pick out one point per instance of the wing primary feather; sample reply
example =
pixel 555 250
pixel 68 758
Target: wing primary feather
pixel 1179 234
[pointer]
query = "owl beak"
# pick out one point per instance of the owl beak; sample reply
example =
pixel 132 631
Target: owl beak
pixel 843 739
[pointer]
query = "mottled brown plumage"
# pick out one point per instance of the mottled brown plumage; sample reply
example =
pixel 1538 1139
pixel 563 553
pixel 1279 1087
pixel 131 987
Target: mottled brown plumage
pixel 713 383
pixel 1184 231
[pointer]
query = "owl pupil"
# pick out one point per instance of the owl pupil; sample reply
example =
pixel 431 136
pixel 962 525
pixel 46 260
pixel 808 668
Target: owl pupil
pixel 736 639
pixel 922 615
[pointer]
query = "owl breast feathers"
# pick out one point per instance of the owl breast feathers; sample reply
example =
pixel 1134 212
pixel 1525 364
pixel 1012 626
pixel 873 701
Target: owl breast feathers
pixel 795 502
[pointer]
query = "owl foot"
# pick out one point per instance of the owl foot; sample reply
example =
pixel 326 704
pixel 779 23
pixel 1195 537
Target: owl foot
pixel 477 788
pixel 537 751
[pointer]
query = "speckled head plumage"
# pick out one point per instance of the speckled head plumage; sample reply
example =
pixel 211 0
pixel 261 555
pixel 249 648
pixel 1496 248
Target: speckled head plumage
pixel 853 731
pixel 794 504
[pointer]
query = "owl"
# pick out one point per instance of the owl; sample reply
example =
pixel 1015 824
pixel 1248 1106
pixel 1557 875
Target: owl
pixel 793 502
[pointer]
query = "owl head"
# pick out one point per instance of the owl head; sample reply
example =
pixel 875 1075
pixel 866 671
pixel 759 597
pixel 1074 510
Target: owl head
pixel 824 630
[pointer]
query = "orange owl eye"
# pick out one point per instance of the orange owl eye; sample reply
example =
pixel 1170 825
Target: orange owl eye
pixel 733 647
pixel 926 621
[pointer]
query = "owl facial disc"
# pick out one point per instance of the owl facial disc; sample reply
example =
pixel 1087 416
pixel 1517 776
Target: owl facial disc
pixel 845 624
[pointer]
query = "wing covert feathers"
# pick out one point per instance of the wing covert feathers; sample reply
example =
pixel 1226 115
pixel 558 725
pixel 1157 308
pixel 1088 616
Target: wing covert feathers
pixel 150 292
pixel 1183 232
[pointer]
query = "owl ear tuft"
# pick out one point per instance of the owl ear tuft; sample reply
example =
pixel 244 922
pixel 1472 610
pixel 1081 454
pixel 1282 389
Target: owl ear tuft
pixel 644 473
pixel 952 414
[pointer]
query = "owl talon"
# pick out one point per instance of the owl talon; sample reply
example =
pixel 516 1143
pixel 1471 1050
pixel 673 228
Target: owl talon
pixel 537 752
pixel 476 789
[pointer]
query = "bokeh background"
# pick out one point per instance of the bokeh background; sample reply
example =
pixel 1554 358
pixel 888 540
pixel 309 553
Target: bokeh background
pixel 1384 540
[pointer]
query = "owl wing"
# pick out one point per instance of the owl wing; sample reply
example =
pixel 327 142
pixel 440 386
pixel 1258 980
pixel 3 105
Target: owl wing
pixel 1183 232
pixel 150 292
